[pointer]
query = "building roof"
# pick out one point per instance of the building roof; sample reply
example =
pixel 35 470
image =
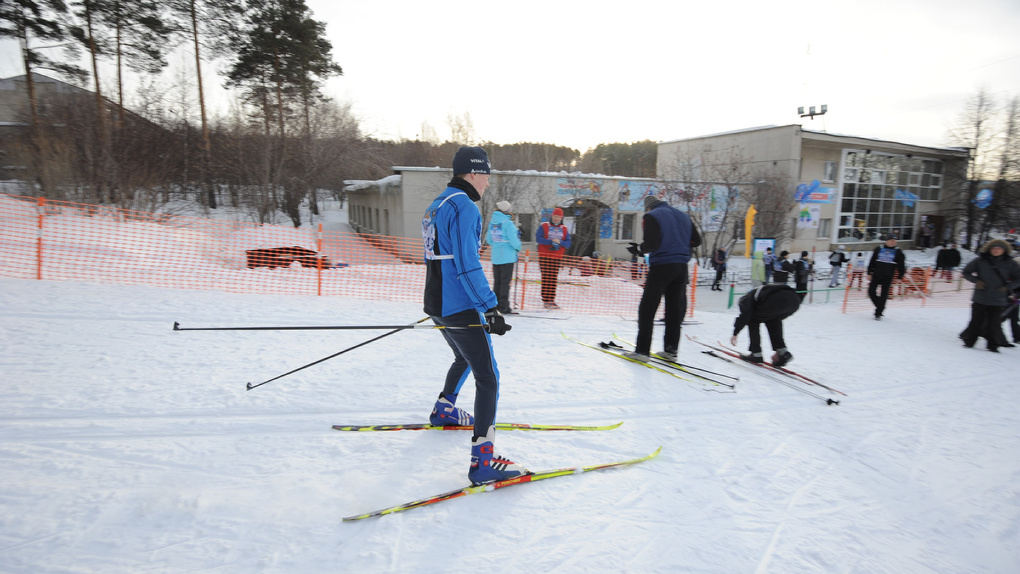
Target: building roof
pixel 823 136
pixel 59 86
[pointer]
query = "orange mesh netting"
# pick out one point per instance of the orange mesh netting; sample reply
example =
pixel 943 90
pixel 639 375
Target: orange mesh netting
pixel 922 287
pixel 63 241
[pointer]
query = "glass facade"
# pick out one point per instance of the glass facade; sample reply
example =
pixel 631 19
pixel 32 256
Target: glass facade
pixel 881 192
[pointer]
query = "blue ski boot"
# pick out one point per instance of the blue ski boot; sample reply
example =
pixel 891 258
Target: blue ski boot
pixel 444 414
pixel 486 466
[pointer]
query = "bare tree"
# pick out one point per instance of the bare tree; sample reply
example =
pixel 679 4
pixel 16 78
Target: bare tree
pixel 975 131
pixel 773 200
pixel 715 188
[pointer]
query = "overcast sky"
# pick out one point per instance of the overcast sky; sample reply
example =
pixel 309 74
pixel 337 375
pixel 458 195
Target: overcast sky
pixel 579 73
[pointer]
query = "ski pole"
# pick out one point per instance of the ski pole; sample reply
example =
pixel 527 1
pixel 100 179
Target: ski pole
pixel 775 379
pixel 251 386
pixel 177 327
pixel 685 365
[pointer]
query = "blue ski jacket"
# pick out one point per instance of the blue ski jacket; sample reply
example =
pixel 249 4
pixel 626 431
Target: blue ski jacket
pixel 452 232
pixel 504 238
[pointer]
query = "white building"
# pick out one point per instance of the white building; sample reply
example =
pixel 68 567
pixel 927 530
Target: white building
pixel 848 189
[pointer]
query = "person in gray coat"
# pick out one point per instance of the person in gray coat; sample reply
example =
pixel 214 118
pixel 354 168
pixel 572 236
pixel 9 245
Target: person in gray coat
pixel 995 275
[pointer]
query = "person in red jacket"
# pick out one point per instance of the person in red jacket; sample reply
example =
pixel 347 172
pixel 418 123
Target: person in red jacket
pixel 553 238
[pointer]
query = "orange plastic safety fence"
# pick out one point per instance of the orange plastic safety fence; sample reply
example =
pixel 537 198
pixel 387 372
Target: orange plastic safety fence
pixel 63 241
pixel 922 287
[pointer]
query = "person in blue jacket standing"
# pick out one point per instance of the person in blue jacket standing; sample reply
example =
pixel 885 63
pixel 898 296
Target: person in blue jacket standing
pixel 669 237
pixel 457 294
pixel 505 240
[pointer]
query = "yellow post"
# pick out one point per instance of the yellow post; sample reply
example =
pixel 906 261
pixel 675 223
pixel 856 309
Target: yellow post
pixel 748 225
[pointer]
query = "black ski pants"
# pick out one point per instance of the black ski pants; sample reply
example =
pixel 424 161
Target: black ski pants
pixel 877 283
pixel 667 280
pixel 472 353
pixel 501 276
pixel 985 322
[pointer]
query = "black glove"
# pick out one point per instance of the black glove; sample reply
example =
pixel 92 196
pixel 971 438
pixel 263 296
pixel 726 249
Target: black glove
pixel 497 326
pixel 634 249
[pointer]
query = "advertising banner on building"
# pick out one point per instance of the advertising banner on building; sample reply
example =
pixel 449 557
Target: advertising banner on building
pixel 703 197
pixel 807 217
pixel 814 193
pixel 579 187
pixel 605 224
pixel 632 194
pixel 712 220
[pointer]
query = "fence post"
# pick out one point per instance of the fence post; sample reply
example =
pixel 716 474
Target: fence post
pixel 39 239
pixel 524 286
pixel 694 290
pixel 318 260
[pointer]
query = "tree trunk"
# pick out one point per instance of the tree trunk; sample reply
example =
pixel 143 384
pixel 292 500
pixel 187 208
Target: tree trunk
pixel 208 191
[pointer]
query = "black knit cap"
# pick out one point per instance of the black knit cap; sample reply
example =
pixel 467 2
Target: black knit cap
pixel 470 160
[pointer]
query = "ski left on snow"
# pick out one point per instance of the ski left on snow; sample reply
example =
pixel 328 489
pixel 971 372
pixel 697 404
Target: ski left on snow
pixel 490 486
pixel 499 426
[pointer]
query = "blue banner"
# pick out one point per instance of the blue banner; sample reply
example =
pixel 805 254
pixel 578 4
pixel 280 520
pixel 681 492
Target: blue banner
pixel 905 197
pixel 814 193
pixel 983 199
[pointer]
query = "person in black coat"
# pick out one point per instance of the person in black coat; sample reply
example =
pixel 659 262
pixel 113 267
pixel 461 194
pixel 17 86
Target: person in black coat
pixel 887 263
pixel 947 259
pixel 769 304
pixel 802 271
pixel 719 263
pixel 781 268
pixel 995 275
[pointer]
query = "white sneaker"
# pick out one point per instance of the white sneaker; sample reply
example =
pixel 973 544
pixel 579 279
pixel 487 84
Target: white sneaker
pixel 667 355
pixel 636 356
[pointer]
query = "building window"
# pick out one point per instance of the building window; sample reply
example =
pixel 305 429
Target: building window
pixel 625 227
pixel 830 171
pixel 824 228
pixel 881 193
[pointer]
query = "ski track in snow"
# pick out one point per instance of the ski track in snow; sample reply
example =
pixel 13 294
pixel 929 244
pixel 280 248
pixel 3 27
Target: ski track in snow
pixel 126 446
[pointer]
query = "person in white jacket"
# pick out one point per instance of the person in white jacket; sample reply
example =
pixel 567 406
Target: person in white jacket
pixel 505 239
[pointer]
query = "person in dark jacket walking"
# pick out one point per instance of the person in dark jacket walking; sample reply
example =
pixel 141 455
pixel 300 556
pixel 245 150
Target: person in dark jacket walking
pixel 769 304
pixel 457 293
pixel 781 268
pixel 995 275
pixel 887 263
pixel 719 263
pixel 946 261
pixel 669 237
pixel 802 271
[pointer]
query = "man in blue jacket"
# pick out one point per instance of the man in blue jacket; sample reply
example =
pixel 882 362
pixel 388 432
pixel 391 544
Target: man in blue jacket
pixel 505 240
pixel 457 293
pixel 668 240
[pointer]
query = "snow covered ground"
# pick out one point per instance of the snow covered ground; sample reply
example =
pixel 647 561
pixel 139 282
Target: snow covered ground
pixel 128 447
